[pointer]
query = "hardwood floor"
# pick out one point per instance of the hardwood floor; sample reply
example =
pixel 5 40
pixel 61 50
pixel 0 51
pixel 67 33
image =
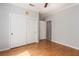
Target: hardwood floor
pixel 43 48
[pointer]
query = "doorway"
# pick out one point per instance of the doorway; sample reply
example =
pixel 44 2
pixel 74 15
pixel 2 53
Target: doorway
pixel 48 30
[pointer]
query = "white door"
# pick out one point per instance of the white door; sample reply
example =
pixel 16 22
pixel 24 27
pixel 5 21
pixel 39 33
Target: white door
pixel 18 30
pixel 31 31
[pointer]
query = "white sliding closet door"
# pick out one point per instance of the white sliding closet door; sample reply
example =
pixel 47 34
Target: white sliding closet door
pixel 18 30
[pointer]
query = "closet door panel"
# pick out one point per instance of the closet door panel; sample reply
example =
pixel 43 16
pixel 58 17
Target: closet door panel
pixel 18 30
pixel 31 31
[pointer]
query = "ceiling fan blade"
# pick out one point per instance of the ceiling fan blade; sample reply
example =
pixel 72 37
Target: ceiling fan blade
pixel 45 5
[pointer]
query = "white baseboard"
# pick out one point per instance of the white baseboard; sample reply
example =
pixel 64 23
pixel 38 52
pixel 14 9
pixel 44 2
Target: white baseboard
pixel 37 41
pixel 65 44
pixel 5 49
pixel 42 39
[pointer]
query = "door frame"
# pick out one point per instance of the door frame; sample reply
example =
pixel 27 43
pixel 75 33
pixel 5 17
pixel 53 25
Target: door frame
pixel 50 29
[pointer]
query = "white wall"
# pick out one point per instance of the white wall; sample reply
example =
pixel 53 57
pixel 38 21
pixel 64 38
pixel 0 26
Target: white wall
pixel 42 29
pixel 4 27
pixel 66 26
pixel 5 10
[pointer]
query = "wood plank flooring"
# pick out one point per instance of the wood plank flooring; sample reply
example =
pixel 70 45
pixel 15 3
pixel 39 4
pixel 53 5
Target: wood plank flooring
pixel 43 48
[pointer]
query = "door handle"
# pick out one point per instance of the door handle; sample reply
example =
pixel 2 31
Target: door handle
pixel 11 33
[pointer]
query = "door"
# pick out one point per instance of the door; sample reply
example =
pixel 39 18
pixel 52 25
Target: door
pixel 42 30
pixel 18 30
pixel 48 34
pixel 31 31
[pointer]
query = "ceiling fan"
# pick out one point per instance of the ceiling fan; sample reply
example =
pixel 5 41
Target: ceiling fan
pixel 45 5
pixel 31 4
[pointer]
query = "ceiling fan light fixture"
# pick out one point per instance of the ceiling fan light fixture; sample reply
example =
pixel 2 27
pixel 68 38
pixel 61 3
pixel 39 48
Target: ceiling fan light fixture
pixel 31 4
pixel 45 5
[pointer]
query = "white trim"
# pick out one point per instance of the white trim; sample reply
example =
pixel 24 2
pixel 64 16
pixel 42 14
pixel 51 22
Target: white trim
pixel 42 39
pixel 5 49
pixel 77 48
pixel 37 41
